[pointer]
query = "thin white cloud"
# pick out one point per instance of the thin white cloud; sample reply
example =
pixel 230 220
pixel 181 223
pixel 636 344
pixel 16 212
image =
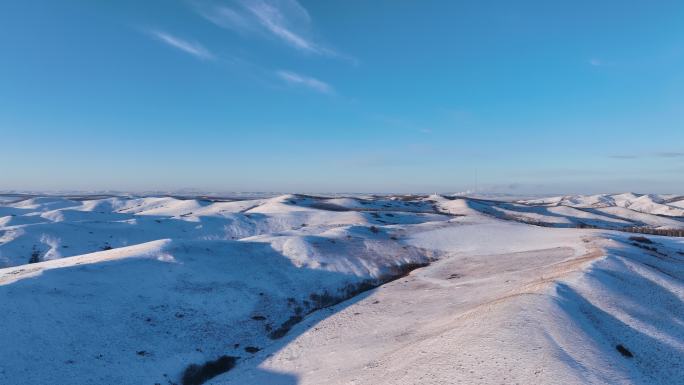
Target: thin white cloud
pixel 597 62
pixel 305 81
pixel 624 156
pixel 285 20
pixel 670 154
pixel 662 155
pixel 225 17
pixel 275 20
pixel 190 47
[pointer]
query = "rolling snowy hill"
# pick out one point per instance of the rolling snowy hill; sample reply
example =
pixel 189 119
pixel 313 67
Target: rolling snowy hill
pixel 169 290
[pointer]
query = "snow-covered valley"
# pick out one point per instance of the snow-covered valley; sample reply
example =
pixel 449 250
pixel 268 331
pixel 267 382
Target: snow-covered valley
pixel 169 290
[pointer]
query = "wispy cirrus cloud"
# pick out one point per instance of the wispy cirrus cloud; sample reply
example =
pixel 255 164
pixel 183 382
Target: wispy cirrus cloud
pixel 600 62
pixel 662 154
pixel 296 79
pixel 670 154
pixel 281 20
pixel 285 20
pixel 224 16
pixel 623 156
pixel 596 62
pixel 191 47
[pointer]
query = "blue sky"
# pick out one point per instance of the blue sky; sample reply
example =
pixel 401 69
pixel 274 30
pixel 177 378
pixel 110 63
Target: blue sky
pixel 321 96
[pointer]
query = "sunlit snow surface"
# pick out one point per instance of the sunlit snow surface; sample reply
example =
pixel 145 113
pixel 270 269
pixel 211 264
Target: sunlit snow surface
pixel 132 290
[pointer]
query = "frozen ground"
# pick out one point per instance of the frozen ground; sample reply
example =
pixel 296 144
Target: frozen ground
pixel 134 290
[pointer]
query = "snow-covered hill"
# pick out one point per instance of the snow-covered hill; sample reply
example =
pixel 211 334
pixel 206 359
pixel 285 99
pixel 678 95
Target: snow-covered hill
pixel 146 290
pixel 654 204
pixel 510 305
pixel 47 228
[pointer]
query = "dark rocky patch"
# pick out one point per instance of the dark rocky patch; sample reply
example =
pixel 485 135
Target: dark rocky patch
pixel 196 374
pixel 35 257
pixel 624 351
pixel 640 239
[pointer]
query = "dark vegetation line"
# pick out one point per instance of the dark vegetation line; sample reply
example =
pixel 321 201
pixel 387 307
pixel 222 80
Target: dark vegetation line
pixel 326 300
pixel 646 230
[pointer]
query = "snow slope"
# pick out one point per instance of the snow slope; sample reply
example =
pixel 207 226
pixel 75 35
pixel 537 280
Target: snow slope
pixel 551 307
pixel 131 290
pixel 54 227
pixel 608 211
pixel 666 205
pixel 141 313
